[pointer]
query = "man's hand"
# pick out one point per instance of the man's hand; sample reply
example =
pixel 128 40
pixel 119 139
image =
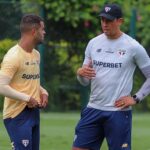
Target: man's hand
pixel 86 71
pixel 125 101
pixel 44 101
pixel 32 103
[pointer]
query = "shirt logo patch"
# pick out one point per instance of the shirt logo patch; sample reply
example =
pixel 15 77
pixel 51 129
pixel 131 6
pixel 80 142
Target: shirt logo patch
pixel 106 64
pixel 121 52
pixel 99 50
pixel 25 143
pixel 27 63
pixel 36 62
pixel 109 51
pixel 107 9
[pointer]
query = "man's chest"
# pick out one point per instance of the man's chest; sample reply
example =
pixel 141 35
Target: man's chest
pixel 111 56
pixel 29 69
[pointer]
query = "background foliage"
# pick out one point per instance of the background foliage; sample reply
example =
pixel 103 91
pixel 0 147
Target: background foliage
pixel 69 26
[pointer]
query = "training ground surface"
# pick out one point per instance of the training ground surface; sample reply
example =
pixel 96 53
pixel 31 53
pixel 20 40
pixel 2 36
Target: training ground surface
pixel 57 131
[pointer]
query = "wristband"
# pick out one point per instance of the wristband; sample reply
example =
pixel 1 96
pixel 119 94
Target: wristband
pixel 136 99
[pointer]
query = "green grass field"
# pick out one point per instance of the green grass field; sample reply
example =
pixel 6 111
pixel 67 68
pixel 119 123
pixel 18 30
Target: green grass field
pixel 57 131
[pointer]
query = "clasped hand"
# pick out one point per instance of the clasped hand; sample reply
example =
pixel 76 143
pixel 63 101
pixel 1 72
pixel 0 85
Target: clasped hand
pixel 33 103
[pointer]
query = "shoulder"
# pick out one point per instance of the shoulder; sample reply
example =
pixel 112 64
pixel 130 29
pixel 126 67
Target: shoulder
pixel 11 61
pixel 36 53
pixel 12 54
pixel 98 38
pixel 132 42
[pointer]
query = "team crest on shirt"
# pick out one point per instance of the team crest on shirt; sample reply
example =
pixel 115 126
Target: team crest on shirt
pixel 121 52
pixel 25 143
pixel 107 9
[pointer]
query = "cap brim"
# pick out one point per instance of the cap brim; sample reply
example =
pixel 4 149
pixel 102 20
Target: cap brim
pixel 107 16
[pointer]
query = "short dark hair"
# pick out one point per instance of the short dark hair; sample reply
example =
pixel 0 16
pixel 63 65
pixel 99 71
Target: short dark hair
pixel 30 21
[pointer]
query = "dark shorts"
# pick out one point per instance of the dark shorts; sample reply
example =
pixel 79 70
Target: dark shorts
pixel 24 129
pixel 95 125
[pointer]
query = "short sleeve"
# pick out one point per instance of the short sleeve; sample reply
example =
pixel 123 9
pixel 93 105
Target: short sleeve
pixel 141 57
pixel 9 65
pixel 87 58
pixel 37 54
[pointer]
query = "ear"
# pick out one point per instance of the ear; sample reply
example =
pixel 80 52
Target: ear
pixel 121 20
pixel 33 31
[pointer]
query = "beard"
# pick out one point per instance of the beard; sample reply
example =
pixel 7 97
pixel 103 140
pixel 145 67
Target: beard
pixel 39 41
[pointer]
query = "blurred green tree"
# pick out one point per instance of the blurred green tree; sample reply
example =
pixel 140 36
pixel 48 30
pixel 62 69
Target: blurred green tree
pixel 10 18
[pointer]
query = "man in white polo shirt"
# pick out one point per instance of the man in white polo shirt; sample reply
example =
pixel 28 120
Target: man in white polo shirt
pixel 109 65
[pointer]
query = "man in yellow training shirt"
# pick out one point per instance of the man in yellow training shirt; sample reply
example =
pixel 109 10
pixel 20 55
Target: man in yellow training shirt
pixel 20 84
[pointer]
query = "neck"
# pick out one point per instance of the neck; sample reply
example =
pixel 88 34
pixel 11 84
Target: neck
pixel 26 44
pixel 115 36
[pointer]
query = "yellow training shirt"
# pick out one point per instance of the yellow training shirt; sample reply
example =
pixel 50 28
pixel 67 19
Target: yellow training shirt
pixel 23 69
